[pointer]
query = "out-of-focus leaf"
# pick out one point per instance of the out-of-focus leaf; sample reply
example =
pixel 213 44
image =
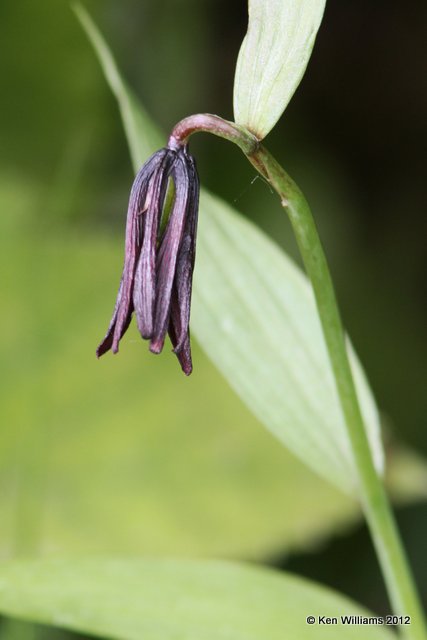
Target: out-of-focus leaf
pixel 169 599
pixel 272 59
pixel 255 316
pixel 125 453
pixel 406 474
pixel 140 137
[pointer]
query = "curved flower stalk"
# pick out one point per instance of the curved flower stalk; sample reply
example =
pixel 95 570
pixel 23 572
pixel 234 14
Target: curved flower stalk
pixel 158 267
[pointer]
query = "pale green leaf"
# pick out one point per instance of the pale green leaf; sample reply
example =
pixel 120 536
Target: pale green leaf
pixel 125 453
pixel 272 59
pixel 255 316
pixel 169 599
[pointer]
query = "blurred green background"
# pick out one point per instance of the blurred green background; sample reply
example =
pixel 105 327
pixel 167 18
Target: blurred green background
pixel 125 455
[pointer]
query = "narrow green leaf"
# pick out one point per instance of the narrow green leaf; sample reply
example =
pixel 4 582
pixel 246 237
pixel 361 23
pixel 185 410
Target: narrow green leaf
pixel 142 140
pixel 255 316
pixel 168 599
pixel 272 59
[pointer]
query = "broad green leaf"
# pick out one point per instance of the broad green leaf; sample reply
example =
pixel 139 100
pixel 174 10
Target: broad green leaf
pixel 255 316
pixel 123 453
pixel 272 59
pixel 167 599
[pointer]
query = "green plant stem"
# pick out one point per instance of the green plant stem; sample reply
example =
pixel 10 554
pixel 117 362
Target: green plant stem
pixel 376 506
pixel 394 564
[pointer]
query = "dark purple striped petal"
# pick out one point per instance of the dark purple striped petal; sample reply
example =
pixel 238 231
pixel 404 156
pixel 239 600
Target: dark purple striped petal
pixel 184 353
pixel 144 290
pixel 168 253
pixel 124 307
pixel 107 342
pixel 186 258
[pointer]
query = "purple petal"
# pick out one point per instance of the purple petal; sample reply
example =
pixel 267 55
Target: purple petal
pixel 184 356
pixel 124 307
pixel 145 273
pixel 107 342
pixel 186 258
pixel 184 353
pixel 168 253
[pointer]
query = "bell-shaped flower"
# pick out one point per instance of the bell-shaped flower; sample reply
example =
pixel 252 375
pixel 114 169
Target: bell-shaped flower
pixel 159 255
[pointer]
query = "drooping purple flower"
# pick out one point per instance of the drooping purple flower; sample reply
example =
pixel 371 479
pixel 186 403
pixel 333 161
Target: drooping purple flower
pixel 159 256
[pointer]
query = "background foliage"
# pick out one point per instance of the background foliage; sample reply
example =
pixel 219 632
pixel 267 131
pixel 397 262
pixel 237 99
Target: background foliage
pixel 104 456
